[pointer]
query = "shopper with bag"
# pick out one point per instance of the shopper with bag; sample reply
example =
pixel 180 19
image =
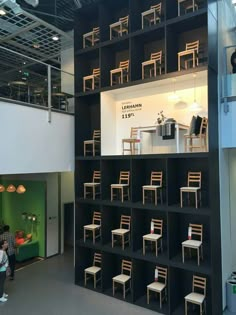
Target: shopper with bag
pixel 3 269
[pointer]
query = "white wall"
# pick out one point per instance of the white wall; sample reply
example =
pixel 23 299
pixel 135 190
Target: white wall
pixel 30 144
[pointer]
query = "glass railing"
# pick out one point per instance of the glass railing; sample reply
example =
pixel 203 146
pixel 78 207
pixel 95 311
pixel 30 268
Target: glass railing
pixel 27 80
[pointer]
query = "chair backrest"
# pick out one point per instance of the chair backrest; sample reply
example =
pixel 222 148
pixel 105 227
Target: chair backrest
pixel 126 267
pixel 162 273
pixel 157 7
pixel 97 259
pixel 192 45
pixel 96 177
pixel 158 226
pixel 125 222
pixel 156 178
pixel 124 65
pixel 97 135
pixel 197 231
pixel 96 30
pixel 96 72
pixel 194 179
pixel 133 132
pixel 157 56
pixel 203 127
pixel 124 20
pixel 199 284
pixel 97 218
pixel 124 177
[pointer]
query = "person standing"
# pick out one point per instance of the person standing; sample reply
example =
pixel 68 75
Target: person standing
pixel 3 268
pixel 9 237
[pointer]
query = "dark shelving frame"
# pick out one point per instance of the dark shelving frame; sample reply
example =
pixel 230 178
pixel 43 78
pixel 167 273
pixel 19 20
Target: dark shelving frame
pixel 170 34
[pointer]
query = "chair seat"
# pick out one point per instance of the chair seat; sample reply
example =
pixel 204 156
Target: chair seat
pixel 190 189
pixel 131 140
pixel 152 237
pixel 152 186
pixel 119 185
pixel 92 270
pixel 92 226
pixel 121 278
pixel 91 184
pixel 120 231
pixel 156 286
pixel 195 298
pixel 195 136
pixel 192 243
pixel 91 141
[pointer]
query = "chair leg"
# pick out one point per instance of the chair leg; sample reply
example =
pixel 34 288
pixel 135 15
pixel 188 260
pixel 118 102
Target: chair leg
pixel 113 287
pixel 198 257
pixel 123 242
pixel 186 307
pixel 85 279
pixel 94 236
pixel 183 254
pixel 148 296
pixel 181 199
pixel 196 200
pixel 84 192
pixel 143 246
pixel 124 291
pixel 93 192
pixel 122 195
pixel 155 195
pixel 112 240
pixel 156 249
pixel 143 196
pixel 84 235
pixel 94 281
pixel 160 300
pixel 111 194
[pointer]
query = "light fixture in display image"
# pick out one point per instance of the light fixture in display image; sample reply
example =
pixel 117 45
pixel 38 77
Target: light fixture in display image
pixel 195 106
pixel 11 188
pixel 2 188
pixel 21 189
pixel 174 96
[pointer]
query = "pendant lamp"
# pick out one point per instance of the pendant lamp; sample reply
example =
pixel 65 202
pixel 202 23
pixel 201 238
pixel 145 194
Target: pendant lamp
pixel 11 188
pixel 21 189
pixel 2 188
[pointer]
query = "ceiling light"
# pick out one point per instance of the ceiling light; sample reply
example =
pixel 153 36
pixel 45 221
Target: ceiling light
pixel 55 37
pixel 2 188
pixel 36 45
pixel 2 12
pixel 21 189
pixel 11 188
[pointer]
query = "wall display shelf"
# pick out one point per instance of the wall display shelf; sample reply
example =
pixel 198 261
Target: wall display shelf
pixel 105 109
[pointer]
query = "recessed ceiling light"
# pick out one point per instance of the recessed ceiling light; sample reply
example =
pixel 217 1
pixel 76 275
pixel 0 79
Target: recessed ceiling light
pixel 36 45
pixel 2 12
pixel 55 37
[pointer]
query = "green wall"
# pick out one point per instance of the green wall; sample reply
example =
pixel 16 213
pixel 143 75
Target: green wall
pixel 33 201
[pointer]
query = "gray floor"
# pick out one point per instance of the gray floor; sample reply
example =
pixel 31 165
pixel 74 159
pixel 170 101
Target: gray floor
pixel 48 288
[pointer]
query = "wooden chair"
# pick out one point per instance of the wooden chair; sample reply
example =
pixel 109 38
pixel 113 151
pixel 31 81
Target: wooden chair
pixel 155 185
pixel 92 37
pixel 153 15
pixel 94 186
pixel 187 5
pixel 191 51
pixel 159 287
pixel 94 143
pixel 132 142
pixel 152 64
pixel 94 270
pixel 189 140
pixel 120 27
pixel 94 227
pixel 124 278
pixel 154 237
pixel 122 72
pixel 122 186
pixel 194 186
pixel 93 80
pixel 198 285
pixel 123 232
pixel 196 231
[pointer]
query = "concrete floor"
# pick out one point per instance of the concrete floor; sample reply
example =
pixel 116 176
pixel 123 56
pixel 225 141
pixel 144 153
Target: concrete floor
pixel 48 288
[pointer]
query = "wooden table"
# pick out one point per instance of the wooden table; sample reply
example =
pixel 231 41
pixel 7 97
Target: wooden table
pixel 153 129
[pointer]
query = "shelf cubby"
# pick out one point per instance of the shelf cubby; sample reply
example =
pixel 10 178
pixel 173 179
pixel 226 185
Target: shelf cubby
pixel 111 169
pixel 181 285
pixel 87 107
pixel 86 169
pixel 178 233
pixel 140 178
pixel 141 220
pixel 178 175
pixel 144 275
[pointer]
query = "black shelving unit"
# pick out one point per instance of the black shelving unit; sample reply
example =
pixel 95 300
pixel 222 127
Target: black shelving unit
pixel 170 35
